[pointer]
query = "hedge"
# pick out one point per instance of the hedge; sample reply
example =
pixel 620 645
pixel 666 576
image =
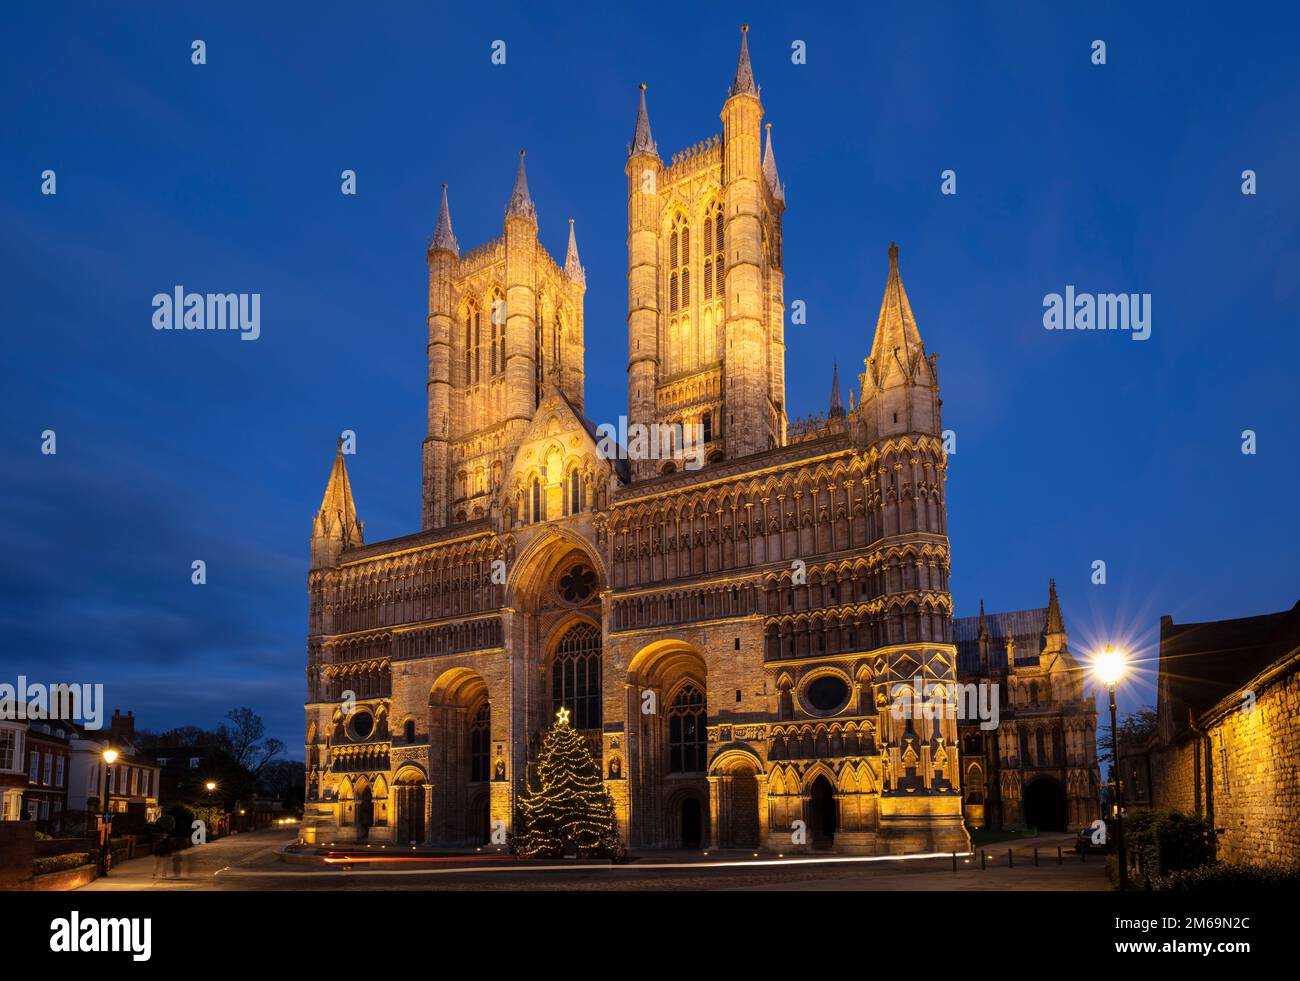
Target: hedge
pixel 1230 877
pixel 60 863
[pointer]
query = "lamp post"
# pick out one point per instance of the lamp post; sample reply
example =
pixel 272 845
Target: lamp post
pixel 109 757
pixel 1110 666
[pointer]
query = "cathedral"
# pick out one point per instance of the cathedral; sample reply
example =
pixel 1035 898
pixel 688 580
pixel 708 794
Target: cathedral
pixel 727 618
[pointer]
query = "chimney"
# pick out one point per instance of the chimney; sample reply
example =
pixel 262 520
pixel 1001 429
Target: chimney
pixel 123 727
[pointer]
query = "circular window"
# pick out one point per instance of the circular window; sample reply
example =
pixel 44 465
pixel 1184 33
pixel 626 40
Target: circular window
pixel 827 694
pixel 577 585
pixel 362 725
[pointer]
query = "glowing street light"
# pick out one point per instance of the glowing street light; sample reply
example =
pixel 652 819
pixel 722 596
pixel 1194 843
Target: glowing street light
pixel 109 756
pixel 1110 666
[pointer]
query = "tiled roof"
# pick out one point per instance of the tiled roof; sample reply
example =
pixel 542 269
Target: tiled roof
pixel 1201 663
pixel 1023 626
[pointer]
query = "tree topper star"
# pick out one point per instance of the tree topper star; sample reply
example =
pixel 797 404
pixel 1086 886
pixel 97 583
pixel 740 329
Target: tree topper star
pixel 562 716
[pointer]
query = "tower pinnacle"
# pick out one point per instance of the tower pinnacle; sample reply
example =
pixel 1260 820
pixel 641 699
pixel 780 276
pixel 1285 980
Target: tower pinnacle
pixel 572 267
pixel 642 140
pixel 897 344
pixel 744 83
pixel 769 169
pixel 443 238
pixel 521 202
pixel 1055 622
pixel 837 404
pixel 335 526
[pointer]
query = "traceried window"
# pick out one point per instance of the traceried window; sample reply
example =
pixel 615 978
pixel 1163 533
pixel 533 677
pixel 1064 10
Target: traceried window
pixel 577 585
pixel 687 731
pixel 480 737
pixel 679 261
pixel 575 676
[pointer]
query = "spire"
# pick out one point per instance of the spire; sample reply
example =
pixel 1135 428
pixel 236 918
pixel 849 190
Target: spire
pixel 851 406
pixel 443 238
pixel 642 141
pixel 521 202
pixel 572 267
pixel 769 169
pixel 897 342
pixel 837 405
pixel 335 526
pixel 984 624
pixel 744 83
pixel 1055 622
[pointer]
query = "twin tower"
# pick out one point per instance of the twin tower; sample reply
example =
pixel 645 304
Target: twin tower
pixel 706 340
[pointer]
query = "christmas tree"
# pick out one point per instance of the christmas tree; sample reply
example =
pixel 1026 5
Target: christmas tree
pixel 571 806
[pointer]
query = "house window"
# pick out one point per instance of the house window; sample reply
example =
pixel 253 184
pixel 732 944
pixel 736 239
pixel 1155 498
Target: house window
pixel 48 776
pixel 34 768
pixel 58 772
pixel 8 749
pixel 194 762
pixel 408 731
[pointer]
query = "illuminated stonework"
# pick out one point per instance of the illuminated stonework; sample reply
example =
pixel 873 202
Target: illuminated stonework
pixel 728 639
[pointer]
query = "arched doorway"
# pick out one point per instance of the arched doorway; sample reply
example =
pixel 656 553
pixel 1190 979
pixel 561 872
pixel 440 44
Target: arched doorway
pixel 736 790
pixel 460 737
pixel 823 813
pixel 365 813
pixel 692 823
pixel 1044 803
pixel 408 791
pixel 482 819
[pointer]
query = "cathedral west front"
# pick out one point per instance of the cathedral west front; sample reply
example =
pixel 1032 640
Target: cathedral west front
pixel 728 623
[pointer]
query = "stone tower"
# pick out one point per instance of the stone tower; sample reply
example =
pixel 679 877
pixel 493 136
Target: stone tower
pixel 706 345
pixel 899 425
pixel 504 318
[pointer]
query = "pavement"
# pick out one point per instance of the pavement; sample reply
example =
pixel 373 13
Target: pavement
pixel 251 862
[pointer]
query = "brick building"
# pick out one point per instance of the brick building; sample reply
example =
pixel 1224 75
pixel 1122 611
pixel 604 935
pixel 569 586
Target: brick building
pixel 48 769
pixel 1227 733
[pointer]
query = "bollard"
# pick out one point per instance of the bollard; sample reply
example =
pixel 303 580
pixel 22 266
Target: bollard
pixel 1060 858
pixel 984 859
pixel 1083 855
pixel 1035 856
pixel 1011 862
pixel 954 861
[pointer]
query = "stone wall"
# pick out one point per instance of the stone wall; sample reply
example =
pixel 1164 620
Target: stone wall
pixel 1257 794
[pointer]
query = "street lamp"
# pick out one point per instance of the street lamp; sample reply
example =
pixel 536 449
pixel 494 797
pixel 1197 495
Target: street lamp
pixel 1109 667
pixel 109 756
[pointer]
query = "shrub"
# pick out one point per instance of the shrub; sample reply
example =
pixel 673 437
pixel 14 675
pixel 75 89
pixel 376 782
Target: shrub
pixel 60 863
pixel 1230 877
pixel 1163 841
pixel 164 826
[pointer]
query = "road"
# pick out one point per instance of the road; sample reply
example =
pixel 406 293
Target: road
pixel 251 862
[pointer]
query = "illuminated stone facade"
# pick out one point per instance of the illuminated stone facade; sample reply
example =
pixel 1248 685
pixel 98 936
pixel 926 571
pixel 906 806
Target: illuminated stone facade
pixel 727 637
pixel 1038 767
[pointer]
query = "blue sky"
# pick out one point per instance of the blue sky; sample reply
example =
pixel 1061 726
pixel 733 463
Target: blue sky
pixel 1071 447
